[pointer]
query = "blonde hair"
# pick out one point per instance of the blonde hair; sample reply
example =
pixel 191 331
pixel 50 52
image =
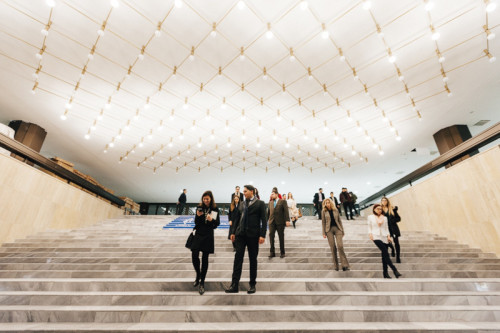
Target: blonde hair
pixel 290 195
pixel 332 205
pixel 389 206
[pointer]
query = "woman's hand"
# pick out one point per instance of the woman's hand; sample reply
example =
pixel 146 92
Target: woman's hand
pixel 209 218
pixel 324 236
pixel 389 239
pixel 371 237
pixel 230 223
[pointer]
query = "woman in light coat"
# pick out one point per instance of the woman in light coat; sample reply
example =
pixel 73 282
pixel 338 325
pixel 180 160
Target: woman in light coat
pixel 379 233
pixel 334 231
pixel 293 212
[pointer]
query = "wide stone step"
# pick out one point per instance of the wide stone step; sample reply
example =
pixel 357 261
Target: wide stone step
pixel 244 313
pixel 138 298
pixel 243 327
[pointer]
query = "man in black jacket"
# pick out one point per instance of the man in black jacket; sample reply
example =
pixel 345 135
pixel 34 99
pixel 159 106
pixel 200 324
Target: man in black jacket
pixel 249 231
pixel 318 201
pixel 346 201
pixel 238 193
pixel 181 202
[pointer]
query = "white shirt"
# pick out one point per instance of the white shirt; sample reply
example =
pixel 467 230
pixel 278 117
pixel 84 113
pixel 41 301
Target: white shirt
pixel 381 232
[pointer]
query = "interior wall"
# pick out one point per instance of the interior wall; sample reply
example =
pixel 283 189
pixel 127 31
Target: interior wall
pixel 32 201
pixel 461 203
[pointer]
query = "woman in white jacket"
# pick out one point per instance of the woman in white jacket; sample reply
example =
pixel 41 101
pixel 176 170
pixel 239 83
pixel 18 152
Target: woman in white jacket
pixel 379 234
pixel 293 212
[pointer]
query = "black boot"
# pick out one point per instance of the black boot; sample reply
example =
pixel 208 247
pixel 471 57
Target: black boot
pixel 197 281
pixel 201 288
pixel 396 273
pixel 386 275
pixel 233 289
pixel 398 260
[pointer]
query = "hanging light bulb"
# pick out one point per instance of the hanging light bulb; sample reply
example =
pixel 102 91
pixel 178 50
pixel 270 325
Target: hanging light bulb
pixel 278 116
pixel 491 58
pixel 490 5
pixel 355 74
pixel 243 118
pixel 45 30
pixel 441 57
pixel 64 116
pixel 309 73
pixel 303 5
pixel 489 35
pixel 39 55
pixel 428 5
pixel 341 55
pixel 242 53
pixel 35 75
pixel 158 30
pixel 69 105
pixel 264 75
pixel 400 76
pixel 443 74
pixel 50 3
pixel 114 3
pixel 269 32
pixel 94 126
pixel 178 3
pixel 380 33
pixel 100 32
pixel 191 55
pixel 283 89
pixel 292 56
pixel 435 34
pixel 87 136
pixel 213 33
pixel 186 105
pixel 367 4
pixel 392 58
pixel 223 105
pixel 241 5
pixel 141 55
pixel 324 34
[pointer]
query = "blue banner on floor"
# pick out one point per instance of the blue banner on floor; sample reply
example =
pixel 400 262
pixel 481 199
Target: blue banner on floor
pixel 187 222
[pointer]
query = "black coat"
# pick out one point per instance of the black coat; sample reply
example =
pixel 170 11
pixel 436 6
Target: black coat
pixel 182 198
pixel 392 221
pixel 233 194
pixel 204 235
pixel 234 216
pixel 257 220
pixel 316 198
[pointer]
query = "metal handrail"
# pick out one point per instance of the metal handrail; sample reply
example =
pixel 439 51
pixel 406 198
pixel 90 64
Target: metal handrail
pixel 35 157
pixel 466 147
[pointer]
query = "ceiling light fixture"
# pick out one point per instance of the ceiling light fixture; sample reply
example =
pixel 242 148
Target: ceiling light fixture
pixel 35 75
pixel 303 5
pixel 441 57
pixel 107 106
pixel 191 55
pixel 213 33
pixel 491 58
pixel 186 105
pixel 428 5
pixel 354 74
pixel 325 128
pixel 158 30
pixel 136 116
pixel 178 3
pixel 367 4
pixel 228 142
pixel 287 145
pixel 349 116
pixel 100 32
pixel 243 118
pixel 260 125
pixel 324 34
pixel 94 126
pixel 398 138
pixel 223 105
pixel 264 75
pixel 435 34
pixel 274 135
pixel 490 5
pixel 147 105
pixel 448 90
pixel 379 31
pixel 114 3
pixel 39 55
pixel 141 55
pixel 489 35
pixel 241 5
pixel 309 73
pixel 292 56
pixel 278 115
pixel 127 126
pixel 443 74
pixel 45 31
pixel 87 136
pixel 392 58
pixel 400 76
pixel 367 93
pixel 100 115
pixel 269 32
pixel 64 116
pixel 50 3
pixel 325 91
pixel 283 89
pixel 242 53
pixel 341 55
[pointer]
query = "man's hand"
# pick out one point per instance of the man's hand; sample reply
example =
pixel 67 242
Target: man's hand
pixel 232 238
pixel 371 237
pixel 287 223
pixel 261 240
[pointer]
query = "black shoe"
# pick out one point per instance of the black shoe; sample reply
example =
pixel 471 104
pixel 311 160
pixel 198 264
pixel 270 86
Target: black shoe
pixel 337 269
pixel 397 274
pixel 352 218
pixel 386 275
pixel 196 283
pixel 251 290
pixel 345 269
pixel 393 254
pixel 233 289
pixel 272 255
pixel 398 260
pixel 282 255
pixel 234 250
pixel 201 289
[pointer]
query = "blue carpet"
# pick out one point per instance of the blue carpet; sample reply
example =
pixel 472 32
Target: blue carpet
pixel 187 222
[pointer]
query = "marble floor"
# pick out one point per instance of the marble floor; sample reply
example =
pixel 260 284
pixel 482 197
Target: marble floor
pixel 131 275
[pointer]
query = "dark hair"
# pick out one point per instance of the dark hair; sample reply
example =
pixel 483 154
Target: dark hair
pixel 212 202
pixel 256 193
pixel 331 192
pixel 183 190
pixel 374 207
pixel 344 188
pixel 275 191
pixel 237 186
pixel 250 188
pixel 320 189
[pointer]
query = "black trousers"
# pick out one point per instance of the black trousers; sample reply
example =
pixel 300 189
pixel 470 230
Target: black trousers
pixel 242 242
pixel 396 244
pixel 281 235
pixel 180 209
pixel 386 260
pixel 348 210
pixel 200 273
pixel 318 209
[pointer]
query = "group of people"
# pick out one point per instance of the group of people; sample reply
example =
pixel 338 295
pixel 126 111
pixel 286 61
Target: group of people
pixel 347 201
pixel 249 219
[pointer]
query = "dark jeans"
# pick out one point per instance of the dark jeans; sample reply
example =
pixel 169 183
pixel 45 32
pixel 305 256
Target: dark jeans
pixel 252 243
pixel 386 260
pixel 200 273
pixel 396 244
pixel 318 207
pixel 180 209
pixel 348 210
pixel 281 235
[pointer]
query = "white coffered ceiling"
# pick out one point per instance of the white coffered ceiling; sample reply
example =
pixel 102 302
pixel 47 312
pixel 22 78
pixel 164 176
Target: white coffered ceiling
pixel 207 143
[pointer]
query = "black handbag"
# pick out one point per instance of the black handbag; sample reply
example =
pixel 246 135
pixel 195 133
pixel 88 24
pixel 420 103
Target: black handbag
pixel 190 239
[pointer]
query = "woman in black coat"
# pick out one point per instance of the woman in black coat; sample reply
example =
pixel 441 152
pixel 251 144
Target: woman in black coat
pixel 233 216
pixel 393 219
pixel 206 220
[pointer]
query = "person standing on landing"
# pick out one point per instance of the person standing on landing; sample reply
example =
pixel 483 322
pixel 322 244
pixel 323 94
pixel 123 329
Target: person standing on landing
pixel 393 219
pixel 278 220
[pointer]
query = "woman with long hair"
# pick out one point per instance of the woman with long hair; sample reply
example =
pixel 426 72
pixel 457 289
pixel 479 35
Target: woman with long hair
pixel 334 231
pixel 233 216
pixel 379 234
pixel 393 218
pixel 206 220
pixel 293 212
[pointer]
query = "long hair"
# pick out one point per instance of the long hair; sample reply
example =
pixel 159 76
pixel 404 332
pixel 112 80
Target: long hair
pixel 290 195
pixel 390 209
pixel 332 205
pixel 233 203
pixel 212 202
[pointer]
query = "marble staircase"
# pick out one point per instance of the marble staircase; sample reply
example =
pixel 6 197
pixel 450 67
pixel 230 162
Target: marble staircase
pixel 130 275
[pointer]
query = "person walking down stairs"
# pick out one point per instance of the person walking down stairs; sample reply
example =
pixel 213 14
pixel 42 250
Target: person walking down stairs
pixel 334 231
pixel 379 234
pixel 393 219
pixel 206 220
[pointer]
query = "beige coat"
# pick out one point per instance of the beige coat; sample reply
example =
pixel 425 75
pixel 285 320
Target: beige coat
pixel 326 222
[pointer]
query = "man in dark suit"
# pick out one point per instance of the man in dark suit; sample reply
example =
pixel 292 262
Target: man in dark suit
pixel 278 219
pixel 318 201
pixel 334 199
pixel 249 231
pixel 181 203
pixel 346 201
pixel 238 193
